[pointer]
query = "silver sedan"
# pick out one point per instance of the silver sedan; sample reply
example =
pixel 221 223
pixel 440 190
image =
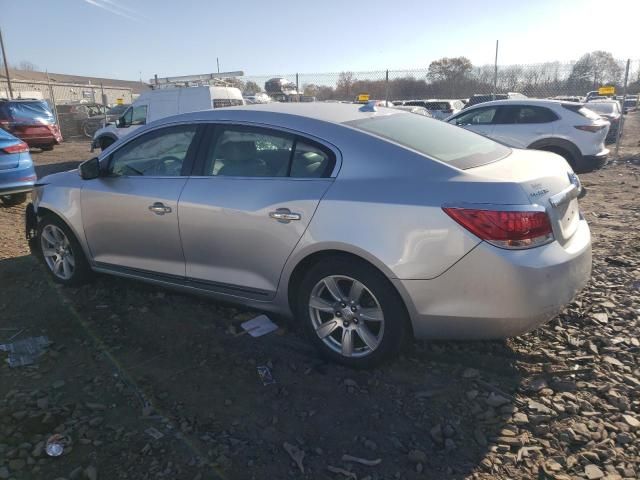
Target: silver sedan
pixel 367 225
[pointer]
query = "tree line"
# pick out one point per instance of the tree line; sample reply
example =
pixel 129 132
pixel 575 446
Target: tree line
pixel 459 78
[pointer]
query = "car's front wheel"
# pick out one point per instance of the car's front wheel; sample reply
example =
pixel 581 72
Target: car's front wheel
pixel 351 312
pixel 61 252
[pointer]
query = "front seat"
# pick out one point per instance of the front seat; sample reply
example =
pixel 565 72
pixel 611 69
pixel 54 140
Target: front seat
pixel 240 160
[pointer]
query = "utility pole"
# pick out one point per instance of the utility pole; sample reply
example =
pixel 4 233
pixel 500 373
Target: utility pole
pixel 6 66
pixel 218 63
pixel 624 98
pixel 495 74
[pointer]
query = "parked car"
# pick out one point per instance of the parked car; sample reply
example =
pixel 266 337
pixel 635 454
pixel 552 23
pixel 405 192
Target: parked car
pixel 93 123
pixel 566 128
pixel 489 97
pixel 32 121
pixel 440 109
pixel 297 209
pixel 610 111
pixel 162 103
pixel 17 174
pixel 417 110
pixel 72 115
pixel 631 103
pixel 259 97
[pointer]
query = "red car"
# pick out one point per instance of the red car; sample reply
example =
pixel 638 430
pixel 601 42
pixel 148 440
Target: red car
pixel 32 121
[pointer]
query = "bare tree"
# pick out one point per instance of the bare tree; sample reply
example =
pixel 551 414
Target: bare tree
pixel 27 66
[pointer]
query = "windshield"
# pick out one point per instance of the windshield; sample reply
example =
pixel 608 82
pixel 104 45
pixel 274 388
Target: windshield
pixel 603 107
pixel 36 112
pixel 117 110
pixel 441 141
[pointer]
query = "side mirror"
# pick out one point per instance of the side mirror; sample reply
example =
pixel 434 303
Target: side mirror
pixel 90 169
pixel 120 122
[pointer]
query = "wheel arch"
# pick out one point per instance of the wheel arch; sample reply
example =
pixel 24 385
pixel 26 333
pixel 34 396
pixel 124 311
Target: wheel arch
pixel 46 210
pixel 307 261
pixel 559 144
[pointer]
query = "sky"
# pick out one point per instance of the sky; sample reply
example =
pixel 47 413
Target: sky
pixel 134 40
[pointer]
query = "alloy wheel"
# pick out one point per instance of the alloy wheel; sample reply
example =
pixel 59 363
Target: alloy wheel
pixel 57 252
pixel 346 316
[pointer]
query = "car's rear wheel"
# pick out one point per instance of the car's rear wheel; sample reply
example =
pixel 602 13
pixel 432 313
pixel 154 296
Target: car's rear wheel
pixel 351 312
pixel 61 252
pixel 13 199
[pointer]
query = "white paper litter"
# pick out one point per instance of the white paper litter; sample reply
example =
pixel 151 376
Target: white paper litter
pixel 258 326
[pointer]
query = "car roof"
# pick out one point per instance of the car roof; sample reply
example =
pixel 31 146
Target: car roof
pixel 276 112
pixel 519 101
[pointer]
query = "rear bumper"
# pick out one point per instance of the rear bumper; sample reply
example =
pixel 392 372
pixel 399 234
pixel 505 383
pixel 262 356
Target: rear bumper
pixel 589 163
pixel 495 293
pixel 17 180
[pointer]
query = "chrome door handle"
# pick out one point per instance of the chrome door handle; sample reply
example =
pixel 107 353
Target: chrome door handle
pixel 284 215
pixel 159 208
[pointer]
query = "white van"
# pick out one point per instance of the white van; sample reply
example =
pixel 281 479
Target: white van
pixel 165 102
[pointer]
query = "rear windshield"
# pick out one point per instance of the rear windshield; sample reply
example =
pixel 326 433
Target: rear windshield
pixel 26 112
pixel 441 141
pixel 581 110
pixel 604 107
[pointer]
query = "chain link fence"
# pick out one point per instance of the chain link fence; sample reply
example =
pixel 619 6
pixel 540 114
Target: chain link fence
pixel 543 80
pixel 79 108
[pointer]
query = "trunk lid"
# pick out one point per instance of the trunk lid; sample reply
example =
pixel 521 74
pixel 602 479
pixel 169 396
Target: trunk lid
pixel 547 180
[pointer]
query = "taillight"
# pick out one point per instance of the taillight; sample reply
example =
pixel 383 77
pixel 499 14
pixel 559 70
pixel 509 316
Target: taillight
pixel 505 228
pixel 17 148
pixel 590 128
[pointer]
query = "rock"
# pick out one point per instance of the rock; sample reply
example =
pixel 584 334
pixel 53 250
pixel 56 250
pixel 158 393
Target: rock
pixel 17 464
pixel 613 361
pixel 95 406
pixel 75 473
pixel 495 400
pixel 37 450
pixel 540 408
pixel 631 421
pixel 370 444
pixel 449 445
pixel 4 473
pixel 593 472
pixel 480 437
pixel 42 403
pixel 436 434
pixel 91 473
pixel 470 373
pixel 520 418
pixel 58 384
pixel 600 317
pixel 417 456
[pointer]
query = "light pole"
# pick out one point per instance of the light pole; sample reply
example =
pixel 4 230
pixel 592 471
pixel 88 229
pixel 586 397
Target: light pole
pixel 6 66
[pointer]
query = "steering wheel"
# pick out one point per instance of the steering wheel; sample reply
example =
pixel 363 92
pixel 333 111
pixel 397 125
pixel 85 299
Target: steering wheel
pixel 169 166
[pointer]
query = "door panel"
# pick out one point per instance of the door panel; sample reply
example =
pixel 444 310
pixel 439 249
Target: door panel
pixel 520 126
pixel 130 217
pixel 228 234
pixel 121 229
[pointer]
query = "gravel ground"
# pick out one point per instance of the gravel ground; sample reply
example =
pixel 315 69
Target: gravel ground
pixel 147 383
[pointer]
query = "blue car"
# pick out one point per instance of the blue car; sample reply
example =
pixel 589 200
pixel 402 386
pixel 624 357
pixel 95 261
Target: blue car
pixel 17 174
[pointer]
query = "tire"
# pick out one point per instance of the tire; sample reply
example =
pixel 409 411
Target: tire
pixel 105 143
pixel 375 336
pixel 61 252
pixel 13 199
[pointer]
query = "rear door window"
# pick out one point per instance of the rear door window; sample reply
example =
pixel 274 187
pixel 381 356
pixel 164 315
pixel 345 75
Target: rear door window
pixel 439 140
pixel 524 114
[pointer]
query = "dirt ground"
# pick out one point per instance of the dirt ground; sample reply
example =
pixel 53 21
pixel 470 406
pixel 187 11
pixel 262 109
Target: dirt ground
pixel 146 383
